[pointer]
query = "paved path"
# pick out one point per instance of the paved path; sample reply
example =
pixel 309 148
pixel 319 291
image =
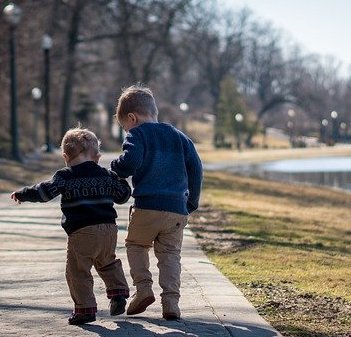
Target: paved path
pixel 34 298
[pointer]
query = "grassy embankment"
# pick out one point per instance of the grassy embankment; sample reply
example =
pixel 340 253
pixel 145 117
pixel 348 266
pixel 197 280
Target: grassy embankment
pixel 287 247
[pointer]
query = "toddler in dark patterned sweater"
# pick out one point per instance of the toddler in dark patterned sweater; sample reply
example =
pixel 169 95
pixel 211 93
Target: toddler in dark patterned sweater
pixel 88 192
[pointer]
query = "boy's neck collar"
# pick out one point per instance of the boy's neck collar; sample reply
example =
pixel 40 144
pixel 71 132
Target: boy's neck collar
pixel 148 121
pixel 76 163
pixel 82 158
pixel 145 121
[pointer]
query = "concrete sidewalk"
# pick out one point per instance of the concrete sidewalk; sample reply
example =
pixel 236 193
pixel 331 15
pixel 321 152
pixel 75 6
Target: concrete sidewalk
pixel 34 298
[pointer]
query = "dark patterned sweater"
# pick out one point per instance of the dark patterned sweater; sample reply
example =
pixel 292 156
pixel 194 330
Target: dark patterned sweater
pixel 88 192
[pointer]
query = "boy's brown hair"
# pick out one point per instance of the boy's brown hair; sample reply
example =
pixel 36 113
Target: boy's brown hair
pixel 78 140
pixel 136 99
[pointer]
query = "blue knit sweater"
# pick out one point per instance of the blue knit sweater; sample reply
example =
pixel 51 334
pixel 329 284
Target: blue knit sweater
pixel 165 168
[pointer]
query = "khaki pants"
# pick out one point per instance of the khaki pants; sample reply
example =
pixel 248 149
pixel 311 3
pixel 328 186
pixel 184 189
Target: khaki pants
pixel 93 246
pixel 163 231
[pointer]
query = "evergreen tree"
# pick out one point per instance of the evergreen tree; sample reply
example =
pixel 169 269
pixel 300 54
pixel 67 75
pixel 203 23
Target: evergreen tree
pixel 231 115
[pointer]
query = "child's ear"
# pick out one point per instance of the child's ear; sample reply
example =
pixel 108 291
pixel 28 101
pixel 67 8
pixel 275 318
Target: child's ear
pixel 65 157
pixel 132 117
pixel 97 157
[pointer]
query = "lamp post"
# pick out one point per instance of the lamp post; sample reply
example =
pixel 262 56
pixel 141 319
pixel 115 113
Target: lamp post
pixel 46 45
pixel 238 120
pixel 184 108
pixel 290 125
pixel 12 14
pixel 343 127
pixel 36 95
pixel 335 128
pixel 323 132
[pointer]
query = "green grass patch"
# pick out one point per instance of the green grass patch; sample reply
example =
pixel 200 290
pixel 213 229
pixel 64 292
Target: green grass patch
pixel 308 271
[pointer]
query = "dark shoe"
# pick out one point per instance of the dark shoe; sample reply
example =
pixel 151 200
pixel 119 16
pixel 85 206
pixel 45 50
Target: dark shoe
pixel 170 311
pixel 117 305
pixel 77 319
pixel 141 300
pixel 171 316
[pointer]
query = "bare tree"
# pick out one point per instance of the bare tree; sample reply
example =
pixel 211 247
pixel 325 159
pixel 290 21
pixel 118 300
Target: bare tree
pixel 72 41
pixel 216 43
pixel 320 91
pixel 264 76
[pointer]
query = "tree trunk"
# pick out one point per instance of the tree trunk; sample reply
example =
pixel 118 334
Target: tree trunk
pixel 70 65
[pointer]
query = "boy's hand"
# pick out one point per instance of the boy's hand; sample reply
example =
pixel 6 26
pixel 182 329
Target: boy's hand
pixel 13 197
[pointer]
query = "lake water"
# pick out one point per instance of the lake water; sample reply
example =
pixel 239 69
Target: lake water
pixel 328 171
pixel 327 164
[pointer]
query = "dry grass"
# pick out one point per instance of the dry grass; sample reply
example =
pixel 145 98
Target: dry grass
pixel 285 216
pixel 295 242
pixel 272 199
pixel 209 154
pixel 200 132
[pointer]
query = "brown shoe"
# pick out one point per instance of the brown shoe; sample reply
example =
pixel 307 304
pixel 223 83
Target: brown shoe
pixel 170 311
pixel 141 300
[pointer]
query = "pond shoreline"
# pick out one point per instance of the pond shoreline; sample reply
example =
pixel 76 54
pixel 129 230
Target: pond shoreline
pixel 301 172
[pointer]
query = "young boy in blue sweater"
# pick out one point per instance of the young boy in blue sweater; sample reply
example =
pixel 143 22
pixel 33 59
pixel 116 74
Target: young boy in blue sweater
pixel 88 192
pixel 166 175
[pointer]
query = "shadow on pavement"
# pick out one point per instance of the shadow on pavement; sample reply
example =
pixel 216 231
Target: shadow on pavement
pixel 177 328
pixel 15 307
pixel 143 326
pixel 123 329
pixel 26 222
pixel 234 330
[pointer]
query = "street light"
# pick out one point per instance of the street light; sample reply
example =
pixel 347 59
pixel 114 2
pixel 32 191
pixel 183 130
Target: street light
pixel 290 125
pixel 184 108
pixel 291 113
pixel 335 131
pixel 12 14
pixel 238 119
pixel 46 45
pixel 36 95
pixel 334 115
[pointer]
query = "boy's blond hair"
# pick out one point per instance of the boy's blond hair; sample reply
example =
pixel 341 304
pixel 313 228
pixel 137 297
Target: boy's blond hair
pixel 78 140
pixel 136 99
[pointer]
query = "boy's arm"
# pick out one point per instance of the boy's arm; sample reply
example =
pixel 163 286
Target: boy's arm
pixel 195 173
pixel 131 158
pixel 41 192
pixel 121 189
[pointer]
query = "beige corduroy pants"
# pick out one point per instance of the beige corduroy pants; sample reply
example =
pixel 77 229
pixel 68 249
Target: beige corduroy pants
pixel 164 232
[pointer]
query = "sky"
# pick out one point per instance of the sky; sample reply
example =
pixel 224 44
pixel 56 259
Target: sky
pixel 318 26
